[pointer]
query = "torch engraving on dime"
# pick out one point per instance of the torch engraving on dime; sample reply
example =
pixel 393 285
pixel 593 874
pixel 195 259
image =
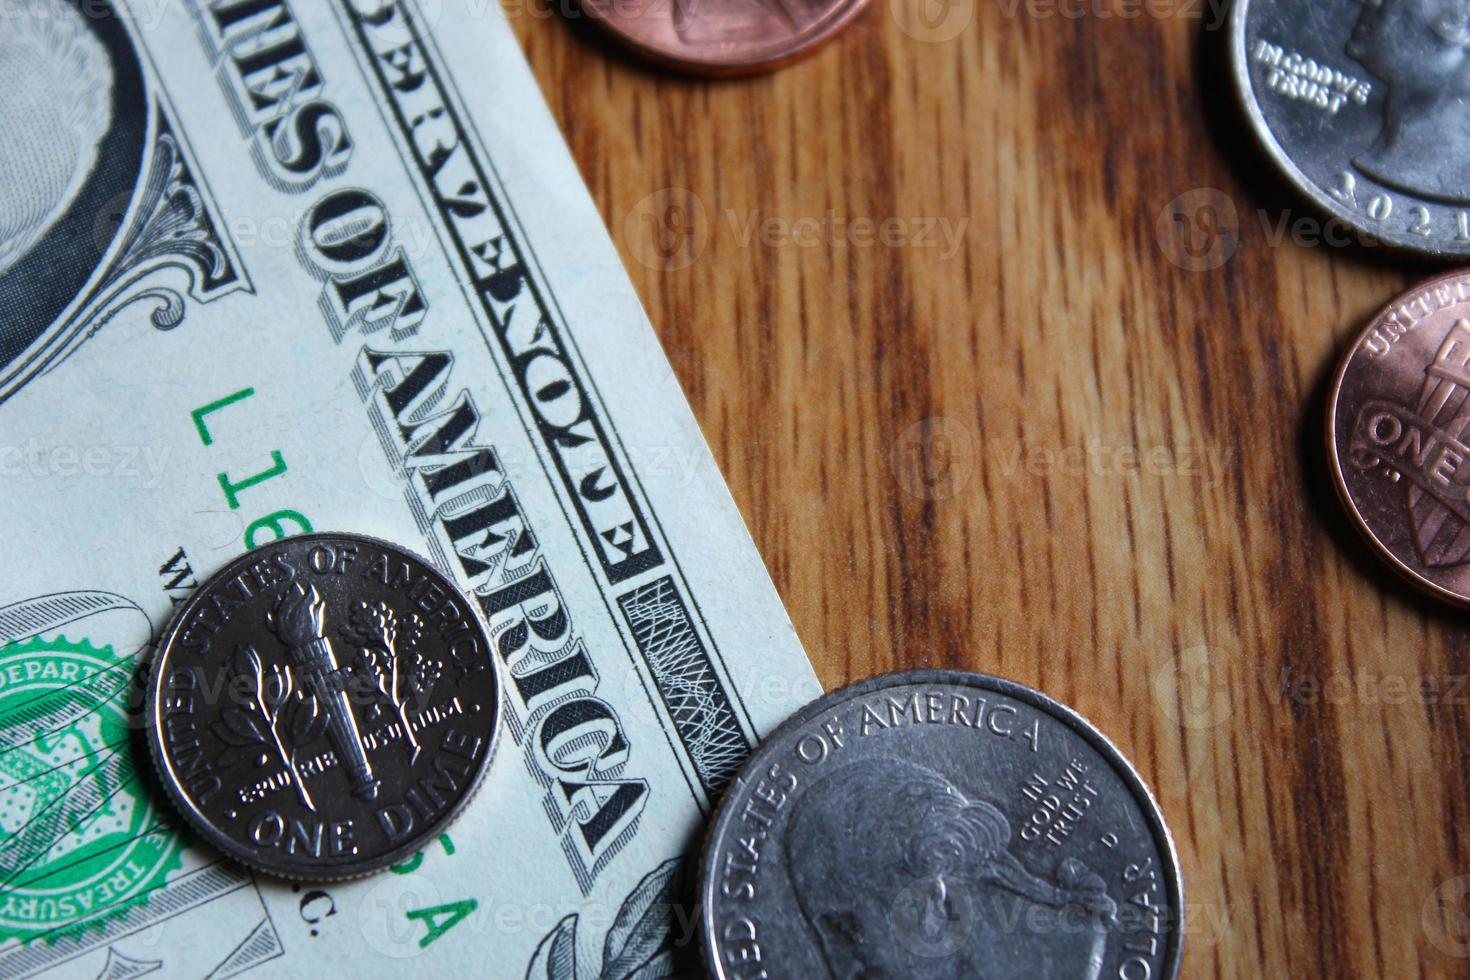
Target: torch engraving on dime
pixel 299 620
pixel 322 705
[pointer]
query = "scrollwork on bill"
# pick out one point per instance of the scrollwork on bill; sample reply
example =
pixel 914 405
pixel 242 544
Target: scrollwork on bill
pixel 171 228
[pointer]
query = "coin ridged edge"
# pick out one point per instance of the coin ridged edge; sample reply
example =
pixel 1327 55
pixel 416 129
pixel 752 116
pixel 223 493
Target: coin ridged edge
pixel 1339 481
pixel 224 844
pixel 1153 814
pixel 1304 186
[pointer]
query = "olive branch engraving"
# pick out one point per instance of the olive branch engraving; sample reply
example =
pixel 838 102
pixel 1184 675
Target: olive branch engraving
pixel 263 717
pixel 388 656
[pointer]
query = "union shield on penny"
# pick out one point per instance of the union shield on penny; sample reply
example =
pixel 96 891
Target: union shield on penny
pixel 322 705
pixel 1397 435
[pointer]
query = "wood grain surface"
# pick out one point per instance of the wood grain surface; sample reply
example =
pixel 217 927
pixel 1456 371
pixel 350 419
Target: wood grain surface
pixel 1053 446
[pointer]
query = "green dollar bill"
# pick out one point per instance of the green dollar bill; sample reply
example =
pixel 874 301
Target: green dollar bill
pixel 270 267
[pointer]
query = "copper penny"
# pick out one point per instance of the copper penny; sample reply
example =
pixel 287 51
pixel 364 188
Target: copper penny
pixel 1398 439
pixel 723 37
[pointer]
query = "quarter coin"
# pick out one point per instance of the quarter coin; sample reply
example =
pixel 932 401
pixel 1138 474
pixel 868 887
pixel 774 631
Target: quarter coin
pixel 1397 439
pixel 322 705
pixel 939 824
pixel 1365 108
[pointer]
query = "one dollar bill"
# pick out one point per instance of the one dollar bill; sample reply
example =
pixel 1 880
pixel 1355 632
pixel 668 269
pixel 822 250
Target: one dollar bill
pixel 269 267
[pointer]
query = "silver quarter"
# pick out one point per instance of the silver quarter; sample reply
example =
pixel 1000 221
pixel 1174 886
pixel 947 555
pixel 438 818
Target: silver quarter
pixel 939 824
pixel 322 705
pixel 1365 107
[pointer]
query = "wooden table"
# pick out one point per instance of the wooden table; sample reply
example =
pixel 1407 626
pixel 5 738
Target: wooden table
pixel 1061 444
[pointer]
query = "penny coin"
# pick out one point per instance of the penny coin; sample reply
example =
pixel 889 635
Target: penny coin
pixel 939 824
pixel 1397 439
pixel 322 705
pixel 722 37
pixel 1366 110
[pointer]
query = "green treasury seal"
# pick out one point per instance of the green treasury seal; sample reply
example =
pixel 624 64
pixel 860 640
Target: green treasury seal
pixel 82 839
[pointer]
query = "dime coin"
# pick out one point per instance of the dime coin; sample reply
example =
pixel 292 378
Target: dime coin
pixel 322 705
pixel 1396 435
pixel 723 37
pixel 1365 108
pixel 939 824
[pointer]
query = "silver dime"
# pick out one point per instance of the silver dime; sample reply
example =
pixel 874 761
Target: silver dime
pixel 939 824
pixel 322 705
pixel 1365 106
